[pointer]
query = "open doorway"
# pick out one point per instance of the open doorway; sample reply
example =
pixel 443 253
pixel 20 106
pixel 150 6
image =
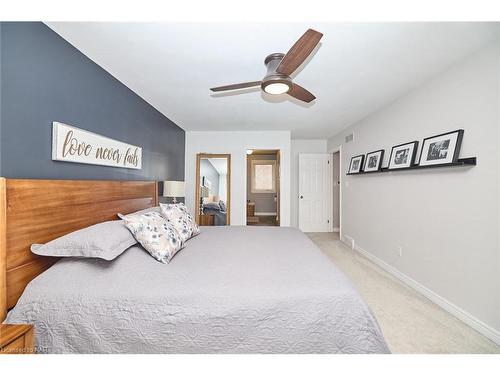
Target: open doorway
pixel 263 187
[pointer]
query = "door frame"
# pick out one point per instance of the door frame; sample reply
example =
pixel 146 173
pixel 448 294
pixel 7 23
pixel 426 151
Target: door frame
pixel 228 184
pixel 341 177
pixel 278 187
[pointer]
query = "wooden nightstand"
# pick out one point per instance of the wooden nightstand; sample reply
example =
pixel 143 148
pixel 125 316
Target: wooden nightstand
pixel 206 220
pixel 17 339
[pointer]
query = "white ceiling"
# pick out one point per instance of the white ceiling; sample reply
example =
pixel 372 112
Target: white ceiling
pixel 357 69
pixel 220 165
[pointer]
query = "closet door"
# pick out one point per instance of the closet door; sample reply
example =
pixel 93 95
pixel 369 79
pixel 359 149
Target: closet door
pixel 315 192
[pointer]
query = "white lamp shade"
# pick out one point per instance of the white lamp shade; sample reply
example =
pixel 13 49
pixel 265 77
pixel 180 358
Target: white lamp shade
pixel 174 189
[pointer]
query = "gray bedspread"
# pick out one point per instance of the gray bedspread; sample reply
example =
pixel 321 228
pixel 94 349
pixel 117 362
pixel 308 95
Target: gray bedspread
pixel 231 290
pixel 219 216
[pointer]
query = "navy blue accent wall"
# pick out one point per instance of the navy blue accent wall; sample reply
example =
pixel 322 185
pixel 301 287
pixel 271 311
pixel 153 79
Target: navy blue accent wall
pixel 43 78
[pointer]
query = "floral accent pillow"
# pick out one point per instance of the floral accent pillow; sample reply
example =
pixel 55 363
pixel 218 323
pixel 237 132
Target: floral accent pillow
pixel 158 236
pixel 181 219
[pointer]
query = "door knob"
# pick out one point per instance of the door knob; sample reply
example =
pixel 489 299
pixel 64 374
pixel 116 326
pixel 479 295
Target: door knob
pixel 301 196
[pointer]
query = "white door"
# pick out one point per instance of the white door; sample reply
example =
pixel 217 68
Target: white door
pixel 315 192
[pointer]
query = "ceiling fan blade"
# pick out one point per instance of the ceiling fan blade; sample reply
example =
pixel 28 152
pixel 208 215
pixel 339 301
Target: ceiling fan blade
pixel 298 92
pixel 237 86
pixel 299 52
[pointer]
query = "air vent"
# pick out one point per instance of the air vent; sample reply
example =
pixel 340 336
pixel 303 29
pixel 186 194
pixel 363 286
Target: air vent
pixel 349 138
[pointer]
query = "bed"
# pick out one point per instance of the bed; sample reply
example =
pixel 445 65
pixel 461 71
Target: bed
pixel 231 290
pixel 220 216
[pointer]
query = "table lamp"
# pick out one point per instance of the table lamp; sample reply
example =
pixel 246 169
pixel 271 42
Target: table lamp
pixel 174 190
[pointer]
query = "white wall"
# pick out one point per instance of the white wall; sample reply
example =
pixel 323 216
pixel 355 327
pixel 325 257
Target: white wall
pixel 236 143
pixel 301 146
pixel 223 187
pixel 446 220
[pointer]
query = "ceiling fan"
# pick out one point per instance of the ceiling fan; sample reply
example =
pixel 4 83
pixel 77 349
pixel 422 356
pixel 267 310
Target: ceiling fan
pixel 280 67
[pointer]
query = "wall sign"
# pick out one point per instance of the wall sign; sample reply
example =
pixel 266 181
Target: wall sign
pixel 80 146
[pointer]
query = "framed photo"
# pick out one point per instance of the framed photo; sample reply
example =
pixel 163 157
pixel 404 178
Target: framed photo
pixel 356 164
pixel 206 182
pixel 442 148
pixel 374 161
pixel 403 156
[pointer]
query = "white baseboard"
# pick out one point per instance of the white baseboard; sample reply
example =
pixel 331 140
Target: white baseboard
pixel 464 316
pixel 348 241
pixel 266 214
pixel 336 229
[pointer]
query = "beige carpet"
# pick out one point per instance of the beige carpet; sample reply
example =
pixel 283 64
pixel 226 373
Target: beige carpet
pixel 410 322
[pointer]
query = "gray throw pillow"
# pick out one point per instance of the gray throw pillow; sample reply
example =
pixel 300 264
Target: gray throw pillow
pixel 105 240
pixel 222 205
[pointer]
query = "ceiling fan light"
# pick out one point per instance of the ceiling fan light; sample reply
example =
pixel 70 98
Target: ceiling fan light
pixel 276 88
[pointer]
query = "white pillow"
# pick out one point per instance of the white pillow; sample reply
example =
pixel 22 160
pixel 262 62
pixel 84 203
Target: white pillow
pixel 155 234
pixel 178 215
pixel 149 209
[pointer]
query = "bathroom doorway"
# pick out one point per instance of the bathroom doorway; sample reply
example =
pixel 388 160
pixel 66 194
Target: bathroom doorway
pixel 263 187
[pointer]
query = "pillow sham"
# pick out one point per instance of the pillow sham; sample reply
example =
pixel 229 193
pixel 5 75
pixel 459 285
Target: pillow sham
pixel 157 235
pixel 181 219
pixel 105 240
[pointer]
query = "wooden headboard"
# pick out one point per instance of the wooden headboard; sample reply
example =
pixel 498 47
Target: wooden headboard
pixel 37 211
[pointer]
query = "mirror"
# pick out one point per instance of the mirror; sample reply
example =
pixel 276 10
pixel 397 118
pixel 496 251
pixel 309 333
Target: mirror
pixel 213 187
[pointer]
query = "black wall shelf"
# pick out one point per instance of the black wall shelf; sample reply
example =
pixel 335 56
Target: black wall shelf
pixel 459 163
